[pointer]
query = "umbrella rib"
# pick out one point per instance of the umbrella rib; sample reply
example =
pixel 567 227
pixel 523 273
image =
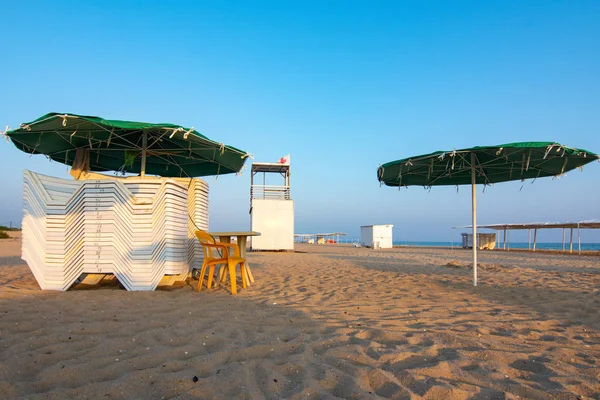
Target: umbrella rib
pixel 159 138
pixel 192 162
pixel 77 125
pixel 100 142
pixel 445 173
pixel 170 160
pixel 122 136
pixel 98 166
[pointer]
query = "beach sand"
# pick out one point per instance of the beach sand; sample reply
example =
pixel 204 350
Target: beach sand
pixel 328 321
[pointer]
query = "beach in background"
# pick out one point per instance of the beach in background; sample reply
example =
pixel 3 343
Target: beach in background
pixel 515 245
pixel 511 245
pixel 323 322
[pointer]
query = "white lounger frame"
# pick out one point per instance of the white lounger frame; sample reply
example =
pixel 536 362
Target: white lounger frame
pixel 140 230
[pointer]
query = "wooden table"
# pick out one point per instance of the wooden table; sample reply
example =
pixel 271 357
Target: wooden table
pixel 242 240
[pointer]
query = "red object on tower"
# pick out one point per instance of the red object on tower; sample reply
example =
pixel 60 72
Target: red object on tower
pixel 284 160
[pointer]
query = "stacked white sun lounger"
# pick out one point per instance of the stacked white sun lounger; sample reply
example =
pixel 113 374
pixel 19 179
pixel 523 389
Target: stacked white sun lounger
pixel 198 219
pixel 137 229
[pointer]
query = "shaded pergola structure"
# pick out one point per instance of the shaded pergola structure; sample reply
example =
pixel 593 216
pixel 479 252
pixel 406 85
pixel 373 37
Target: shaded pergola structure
pixel 319 237
pixel 535 226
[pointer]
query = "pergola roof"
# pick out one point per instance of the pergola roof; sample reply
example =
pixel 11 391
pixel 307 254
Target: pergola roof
pixel 587 224
pixel 320 234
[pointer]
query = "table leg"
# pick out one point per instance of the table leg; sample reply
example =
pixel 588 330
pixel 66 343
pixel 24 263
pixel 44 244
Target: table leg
pixel 224 268
pixel 242 241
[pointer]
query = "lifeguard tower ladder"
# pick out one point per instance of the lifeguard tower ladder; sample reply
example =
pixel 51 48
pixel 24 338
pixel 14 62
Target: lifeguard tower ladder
pixel 271 207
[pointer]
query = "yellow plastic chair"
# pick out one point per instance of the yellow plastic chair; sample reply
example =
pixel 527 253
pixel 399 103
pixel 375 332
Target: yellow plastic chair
pixel 223 256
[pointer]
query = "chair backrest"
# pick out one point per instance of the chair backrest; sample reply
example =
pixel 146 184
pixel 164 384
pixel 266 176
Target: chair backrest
pixel 205 238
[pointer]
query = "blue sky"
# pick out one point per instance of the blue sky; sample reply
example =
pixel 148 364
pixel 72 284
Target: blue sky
pixel 341 85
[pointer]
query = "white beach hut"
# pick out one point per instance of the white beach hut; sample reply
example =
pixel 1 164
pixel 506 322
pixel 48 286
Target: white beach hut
pixel 485 241
pixel 376 236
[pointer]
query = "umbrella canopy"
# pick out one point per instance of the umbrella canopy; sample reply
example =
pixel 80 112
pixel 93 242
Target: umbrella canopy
pixel 493 164
pixel 484 165
pixel 135 147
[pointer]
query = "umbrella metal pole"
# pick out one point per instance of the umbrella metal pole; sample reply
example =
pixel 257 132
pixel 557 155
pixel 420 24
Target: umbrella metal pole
pixel 144 148
pixel 474 211
pixel 534 238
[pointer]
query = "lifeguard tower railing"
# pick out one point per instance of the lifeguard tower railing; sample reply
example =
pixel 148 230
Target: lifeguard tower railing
pixel 270 192
pixel 259 189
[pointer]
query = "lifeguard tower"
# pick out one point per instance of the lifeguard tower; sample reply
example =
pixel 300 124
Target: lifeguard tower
pixel 271 207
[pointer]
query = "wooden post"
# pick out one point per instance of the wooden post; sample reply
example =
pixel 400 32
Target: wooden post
pixel 534 238
pixel 144 150
pixel 563 239
pixel 508 236
pixel 579 238
pixel 504 241
pixel 474 216
pixel 571 242
pixel 528 239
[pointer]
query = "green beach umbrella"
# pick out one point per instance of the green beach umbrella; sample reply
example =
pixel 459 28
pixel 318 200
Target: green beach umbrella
pixel 484 165
pixel 125 146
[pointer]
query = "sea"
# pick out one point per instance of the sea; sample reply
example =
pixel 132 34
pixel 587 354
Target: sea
pixel 515 245
pixel 512 245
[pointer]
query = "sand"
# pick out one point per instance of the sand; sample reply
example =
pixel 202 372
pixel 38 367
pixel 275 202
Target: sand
pixel 326 322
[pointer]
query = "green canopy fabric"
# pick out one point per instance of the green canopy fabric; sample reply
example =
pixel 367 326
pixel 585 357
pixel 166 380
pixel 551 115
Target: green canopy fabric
pixel 493 164
pixel 484 165
pixel 113 145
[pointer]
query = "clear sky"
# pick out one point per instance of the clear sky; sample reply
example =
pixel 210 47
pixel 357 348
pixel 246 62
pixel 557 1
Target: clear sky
pixel 341 85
